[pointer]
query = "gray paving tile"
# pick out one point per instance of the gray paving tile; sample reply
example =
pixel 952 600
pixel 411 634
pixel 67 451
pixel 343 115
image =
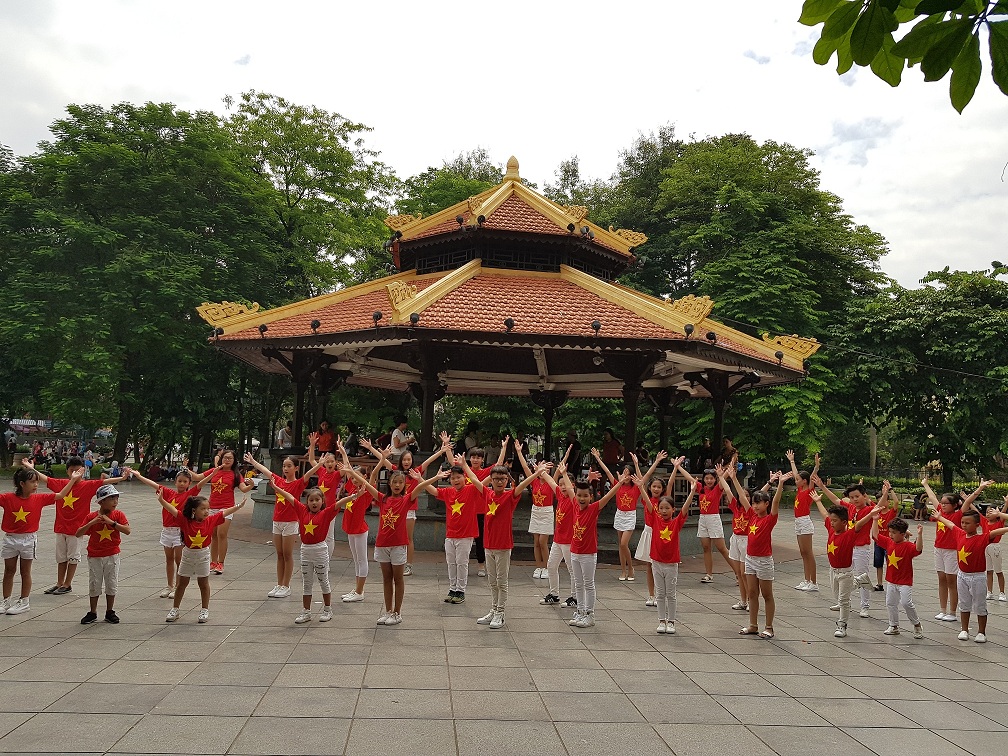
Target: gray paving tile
pixel 231 651
pixel 234 673
pixel 67 733
pixel 795 741
pixel 415 677
pixel 590 738
pixel 695 662
pixel 961 690
pixel 641 660
pixel 860 712
pixel 724 740
pixel 181 734
pixel 733 683
pixel 661 708
pixel 320 675
pixel 947 717
pixel 393 703
pixel 505 738
pixel 292 735
pixel 122 698
pixel 770 710
pixel 219 700
pixel 148 672
pixel 499 678
pixel 56 669
pixel 774 664
pixel 816 686
pixel 307 702
pixel 499 705
pixel 163 650
pixel 574 680
pixel 882 689
pixel 669 682
pixel 485 657
pixel 368 737
pixel 84 646
pixel 19 696
pixel 904 742
pixel 980 743
pixel 12 720
pixel 591 707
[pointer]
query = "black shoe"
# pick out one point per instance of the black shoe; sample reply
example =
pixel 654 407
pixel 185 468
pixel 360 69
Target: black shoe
pixel 571 601
pixel 89 618
pixel 63 589
pixel 52 590
pixel 550 600
pixel 459 598
pixel 879 588
pixel 111 617
pixel 450 598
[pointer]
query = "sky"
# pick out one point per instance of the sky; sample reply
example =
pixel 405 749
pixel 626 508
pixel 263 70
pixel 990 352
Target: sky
pixel 543 82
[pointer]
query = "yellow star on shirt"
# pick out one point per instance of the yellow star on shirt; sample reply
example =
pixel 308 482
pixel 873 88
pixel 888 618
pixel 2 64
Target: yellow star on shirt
pixel 197 540
pixel 349 505
pixel 280 500
pixel 559 515
pixel 456 507
pixel 753 528
pixel 323 488
pixel 963 554
pixel 219 486
pixel 492 507
pixel 579 531
pixel 625 500
pixel 309 528
pixel 105 534
pixel 665 533
pixel 21 515
pixel 389 519
pixel 941 526
pixel 831 549
pixel 893 559
pixel 69 499
pixel 539 499
pixel 851 524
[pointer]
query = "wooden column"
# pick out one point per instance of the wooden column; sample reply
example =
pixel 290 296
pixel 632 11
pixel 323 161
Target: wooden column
pixel 721 387
pixel 549 401
pixel 631 397
pixel 664 401
pixel 633 370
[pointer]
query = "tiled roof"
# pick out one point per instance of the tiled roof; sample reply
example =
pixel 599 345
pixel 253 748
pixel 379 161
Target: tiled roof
pixel 515 215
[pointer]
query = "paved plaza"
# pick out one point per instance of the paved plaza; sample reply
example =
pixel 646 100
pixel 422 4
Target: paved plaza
pixel 251 682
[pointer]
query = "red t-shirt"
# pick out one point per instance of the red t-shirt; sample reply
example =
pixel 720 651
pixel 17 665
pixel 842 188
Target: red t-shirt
pixel 650 511
pixel 542 494
pixel 840 547
pixel 885 517
pixel 497 526
pixel 74 507
pixel 759 543
pixel 411 485
pixel 971 550
pixel 585 536
pixel 392 521
pixel 354 511
pixel 328 484
pixel 563 533
pixel 282 511
pixel 626 497
pixel 710 499
pixel 461 507
pixel 222 489
pixel 740 518
pixel 23 515
pixel 104 541
pixel 945 538
pixel 803 503
pixel 899 559
pixel 197 534
pixel 988 526
pixel 482 474
pixel 177 500
pixel 853 515
pixel 325 442
pixel 314 527
pixel 665 539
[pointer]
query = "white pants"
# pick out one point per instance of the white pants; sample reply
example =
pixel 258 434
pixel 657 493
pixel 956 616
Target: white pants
pixel 862 562
pixel 584 580
pixel 666 578
pixel 900 595
pixel 330 540
pixel 498 562
pixel 68 548
pixel 358 550
pixel 457 555
pixel 842 583
pixel 315 564
pixel 559 552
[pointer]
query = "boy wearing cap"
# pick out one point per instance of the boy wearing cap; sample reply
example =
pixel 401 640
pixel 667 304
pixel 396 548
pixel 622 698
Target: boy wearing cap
pixel 104 528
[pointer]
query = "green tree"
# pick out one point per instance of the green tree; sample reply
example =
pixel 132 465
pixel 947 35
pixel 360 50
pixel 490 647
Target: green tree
pixel 466 175
pixel 945 36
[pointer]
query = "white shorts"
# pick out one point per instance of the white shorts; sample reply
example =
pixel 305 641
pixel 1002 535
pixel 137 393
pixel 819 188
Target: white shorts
pixel 803 526
pixel 710 526
pixel 643 552
pixel 68 548
pixel 410 515
pixel 972 592
pixel 103 570
pixel 947 561
pixel 394 554
pixel 993 554
pixel 195 563
pixel 285 528
pixel 761 567
pixel 737 547
pixel 18 545
pixel 625 520
pixel 171 538
pixel 541 521
pixel 226 517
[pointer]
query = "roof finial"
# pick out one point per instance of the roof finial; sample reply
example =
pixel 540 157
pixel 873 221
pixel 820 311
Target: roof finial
pixel 512 169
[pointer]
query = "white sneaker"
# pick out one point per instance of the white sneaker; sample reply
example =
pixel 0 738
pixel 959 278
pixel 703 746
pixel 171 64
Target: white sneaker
pixel 5 605
pixel 383 616
pixel 302 618
pixel 964 635
pixel 487 618
pixel 326 614
pixel 980 638
pixel 802 586
pixel 394 618
pixel 481 572
pixel 835 608
pixel 171 593
pixel 575 619
pixel 841 630
pixel 940 616
pixel 204 616
pixel 651 601
pixel 707 579
pixel 950 618
pixel 407 570
pixel 990 595
pixel 670 628
pixel 273 592
pixel 918 632
pixel 1002 597
pixel 283 591
pixel 864 614
pixel 812 588
pixel 662 624
pixel 165 591
pixel 172 615
pixel 352 597
pixel 498 621
pixel 587 620
pixel 19 607
pixel 537 573
pixel 891 630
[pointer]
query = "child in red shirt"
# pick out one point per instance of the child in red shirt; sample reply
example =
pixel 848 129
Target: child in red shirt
pixel 541 521
pixel 994 563
pixel 103 551
pixel 759 565
pixel 740 530
pixel 563 534
pixel 22 511
pixel 804 529
pixel 651 490
pixel 664 553
pixel 625 520
pixel 353 523
pixel 899 556
pixel 225 477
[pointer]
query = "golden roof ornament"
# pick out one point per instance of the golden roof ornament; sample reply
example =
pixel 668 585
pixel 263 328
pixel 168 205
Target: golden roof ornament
pixel 693 309
pixel 512 170
pixel 798 346
pixel 577 213
pixel 475 203
pixel 395 222
pixel 633 238
pixel 217 313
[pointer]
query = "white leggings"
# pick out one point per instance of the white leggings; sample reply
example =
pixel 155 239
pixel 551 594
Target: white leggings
pixel 315 564
pixel 358 550
pixel 900 595
pixel 584 580
pixel 457 555
pixel 559 552
pixel 666 578
pixel 862 562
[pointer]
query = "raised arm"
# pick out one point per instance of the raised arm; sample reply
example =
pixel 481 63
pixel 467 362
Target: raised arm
pixel 933 502
pixel 460 460
pixel 312 442
pixel 790 458
pixel 919 542
pixel 312 470
pixel 720 472
pixel 686 474
pixel 817 498
pixel 70 484
pixel 611 493
pixel 29 465
pixel 524 462
pixel 817 482
pixel 602 467
pixel 676 469
pixel 775 504
pixel 968 501
pixel 143 479
pixel 658 459
pixel 239 505
pixel 260 467
pixel 170 508
pixel 689 500
pixel 428 484
pixel 363 482
pixel 541 468
pixel 383 456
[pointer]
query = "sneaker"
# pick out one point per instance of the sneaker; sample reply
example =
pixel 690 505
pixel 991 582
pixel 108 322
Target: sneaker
pixel 171 593
pixel 835 608
pixel 802 586
pixel 487 618
pixel 651 601
pixel 5 605
pixel 458 598
pixel 394 618
pixel 326 614
pixel 571 602
pixel 879 587
pixel 950 618
pixel 481 572
pixel 383 616
pixel 661 627
pixel 89 618
pixel 498 621
pixel 50 591
pixel 19 607
pixel 891 630
pixel 352 597
pixel 549 600
pixel 305 616
pixel 575 619
pixel 165 591
pixel 707 579
pixel 990 595
pixel 214 568
pixel 964 636
pixel 940 616
pixel 864 613
pixel 283 592
pixel 111 617
pixel 220 568
pixel 1002 597
pixel 172 615
pixel 670 628
pixel 739 606
pixel 537 573
pixel 448 598
pixel 863 581
pixel 980 638
pixel 204 616
pixel 273 592
pixel 841 630
pixel 918 632
pixel 407 570
pixel 812 588
pixel 587 620
pixel 62 590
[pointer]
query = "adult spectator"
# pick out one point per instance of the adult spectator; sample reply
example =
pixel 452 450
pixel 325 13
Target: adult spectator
pixel 285 437
pixel 612 449
pixel 402 437
pixel 574 460
pixel 703 458
pixel 326 442
pixel 728 451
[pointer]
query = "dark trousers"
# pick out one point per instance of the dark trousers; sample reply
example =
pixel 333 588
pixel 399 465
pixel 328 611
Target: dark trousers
pixel 478 551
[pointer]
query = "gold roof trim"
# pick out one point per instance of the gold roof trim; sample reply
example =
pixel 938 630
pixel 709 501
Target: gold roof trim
pixel 634 238
pixel 399 222
pixel 577 213
pixel 693 308
pixel 796 345
pixel 217 313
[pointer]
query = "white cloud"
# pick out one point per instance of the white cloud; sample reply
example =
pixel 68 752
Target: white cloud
pixel 244 60
pixel 761 59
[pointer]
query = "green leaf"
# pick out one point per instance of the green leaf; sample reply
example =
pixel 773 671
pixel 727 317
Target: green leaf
pixel 844 58
pixel 920 39
pixel 930 7
pixel 824 50
pixel 887 66
pixel 1000 9
pixel 966 70
pixel 868 33
pixel 816 11
pixel 841 20
pixel 999 53
pixel 890 4
pixel 938 59
pixel 902 14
